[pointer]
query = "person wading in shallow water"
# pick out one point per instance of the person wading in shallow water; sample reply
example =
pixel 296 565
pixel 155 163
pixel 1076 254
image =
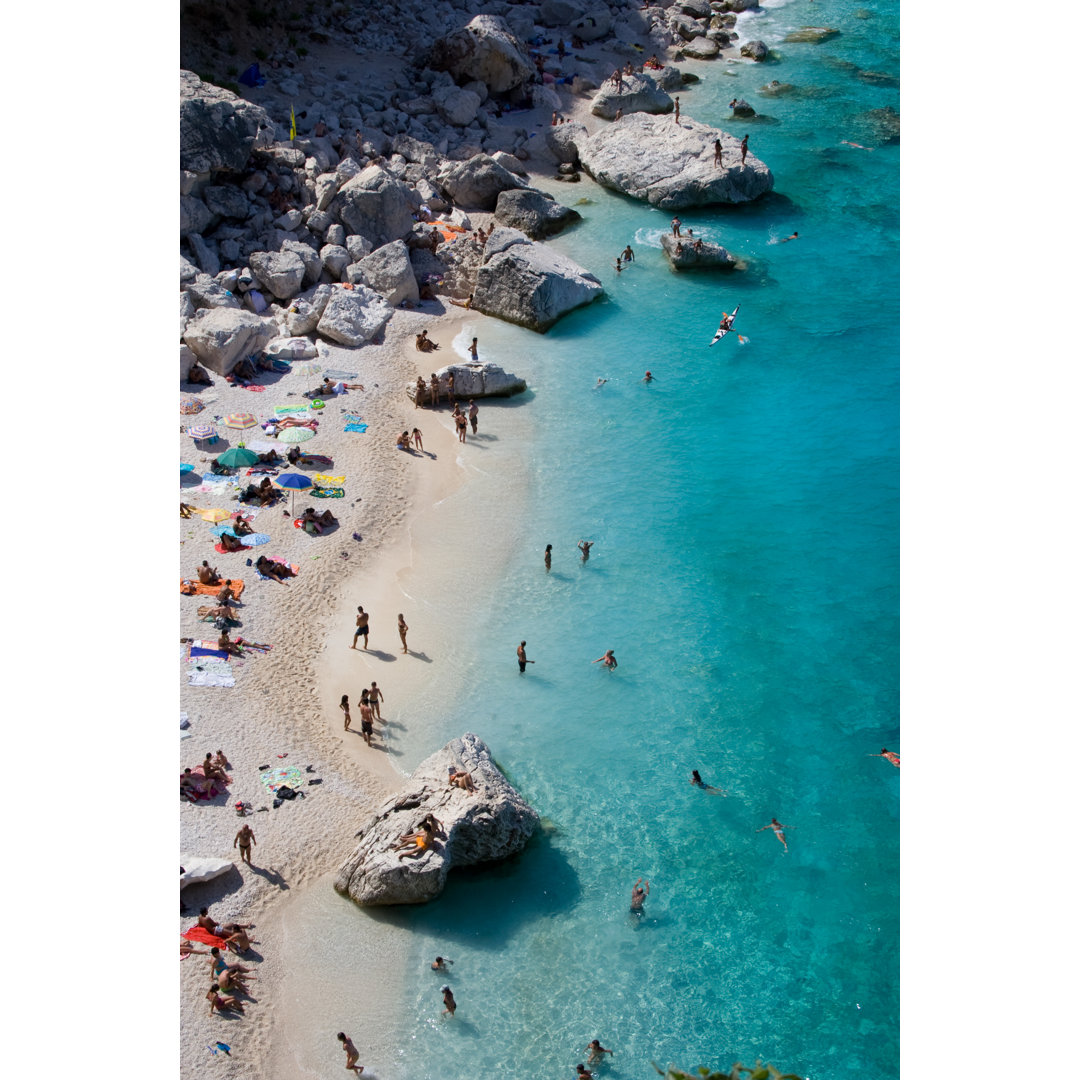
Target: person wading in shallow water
pixel 352 1055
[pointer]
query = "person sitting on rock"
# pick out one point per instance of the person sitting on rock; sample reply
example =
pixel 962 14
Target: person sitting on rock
pixel 413 845
pixel 320 129
pixel 461 779
pixel 198 375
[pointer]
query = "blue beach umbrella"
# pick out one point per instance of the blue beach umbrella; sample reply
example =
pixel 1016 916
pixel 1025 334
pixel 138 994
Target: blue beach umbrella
pixel 255 539
pixel 293 482
pixel 186 468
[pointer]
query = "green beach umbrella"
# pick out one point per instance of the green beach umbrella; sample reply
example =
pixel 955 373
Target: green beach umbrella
pixel 238 457
pixel 296 435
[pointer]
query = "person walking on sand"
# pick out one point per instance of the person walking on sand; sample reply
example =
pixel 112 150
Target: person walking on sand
pixel 244 839
pixel 637 898
pixel 418 438
pixel 473 352
pixel 584 545
pixel 375 695
pixel 608 660
pixel 352 1055
pixel 474 412
pixel 742 148
pixel 547 558
pixel 889 756
pixel 777 828
pixel 521 658
pixel 361 626
pixel 450 386
pixel 596 1052
pixel 448 1001
pixel 676 224
pixel 344 706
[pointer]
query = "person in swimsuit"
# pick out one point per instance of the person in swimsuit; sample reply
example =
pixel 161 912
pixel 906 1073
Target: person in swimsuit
pixel 777 828
pixel 208 575
pixel 473 413
pixel 245 838
pixel 352 1055
pixel 889 755
pixel 583 547
pixel 367 727
pixel 450 385
pixel 596 1052
pixel 628 254
pixel 473 352
pixel 440 963
pixel 344 706
pixel 361 628
pixel 742 147
pixel 547 558
pixel 463 780
pixel 648 377
pixel 421 392
pixel 608 660
pixel 413 845
pixel 637 898
pixel 433 384
pixel 676 224
pixel 221 1003
pixel 793 236
pixel 417 438
pixel 695 779
pixel 582 1073
pixel 402 629
pixel 448 1001
pixel 462 424
pixel 521 658
pixel 375 695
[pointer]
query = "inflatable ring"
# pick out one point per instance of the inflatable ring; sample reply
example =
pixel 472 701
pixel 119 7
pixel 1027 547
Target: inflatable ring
pixel 317 404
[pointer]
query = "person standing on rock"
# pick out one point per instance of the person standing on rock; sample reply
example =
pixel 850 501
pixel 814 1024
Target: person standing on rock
pixel 473 413
pixel 742 147
pixel 676 224
pixel 676 108
pixel 244 838
pixel 352 1055
pixel 402 629
pixel 473 351
pixel 521 658
pixel 718 155
pixel 361 627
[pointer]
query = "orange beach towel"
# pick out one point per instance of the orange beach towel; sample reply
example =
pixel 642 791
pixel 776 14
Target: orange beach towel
pixel 197 588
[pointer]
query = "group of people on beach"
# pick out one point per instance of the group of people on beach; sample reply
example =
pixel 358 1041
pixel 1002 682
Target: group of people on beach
pixel 370 706
pixel 226 979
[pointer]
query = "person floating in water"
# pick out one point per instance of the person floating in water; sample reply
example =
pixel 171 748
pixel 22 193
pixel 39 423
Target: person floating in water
pixel 889 756
pixel 596 1052
pixel 584 545
pixel 695 779
pixel 777 828
pixel 793 236
pixel 637 898
pixel 608 660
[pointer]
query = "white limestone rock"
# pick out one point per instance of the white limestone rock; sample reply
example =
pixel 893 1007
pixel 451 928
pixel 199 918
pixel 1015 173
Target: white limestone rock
pixel 477 381
pixel 221 337
pixel 354 316
pixel 202 869
pixel 484 50
pixel 280 273
pixel 389 272
pixel 640 94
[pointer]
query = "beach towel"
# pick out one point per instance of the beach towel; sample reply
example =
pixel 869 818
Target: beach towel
pixel 210 678
pixel 353 418
pixel 308 369
pixel 328 493
pixel 224 551
pixel 291 776
pixel 295 569
pixel 198 650
pixel 322 480
pixel 203 937
pixel 213 478
pixel 285 410
pixel 361 428
pixel 337 373
pixel 197 588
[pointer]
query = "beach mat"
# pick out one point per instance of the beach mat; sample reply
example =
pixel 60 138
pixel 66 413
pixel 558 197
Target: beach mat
pixel 322 480
pixel 203 937
pixel 361 428
pixel 328 493
pixel 210 678
pixel 336 373
pixel 199 650
pixel 197 588
pixel 291 775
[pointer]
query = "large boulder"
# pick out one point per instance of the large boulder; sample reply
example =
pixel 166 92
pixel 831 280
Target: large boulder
pixel 335 258
pixel 758 51
pixel 375 205
pixel 281 273
pixel 313 264
pixel 535 213
pixel 684 254
pixel 194 215
pixel 227 201
pixel 476 381
pixel 199 870
pixel 484 50
pixel 640 94
pixel 221 337
pixel 218 129
pixel 529 284
pixel 701 48
pixel 353 316
pixel 593 25
pixel 648 158
pixel 389 272
pixel 455 105
pixel 304 313
pixel 187 358
pixel 476 183
pixel 561 12
pixel 205 292
pixel 292 348
pixel 563 140
pixel 487 825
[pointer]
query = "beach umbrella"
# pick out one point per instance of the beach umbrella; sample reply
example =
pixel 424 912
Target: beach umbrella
pixel 214 516
pixel 190 406
pixel 186 468
pixel 240 421
pixel 293 482
pixel 237 457
pixel 296 435
pixel 202 431
pixel 254 539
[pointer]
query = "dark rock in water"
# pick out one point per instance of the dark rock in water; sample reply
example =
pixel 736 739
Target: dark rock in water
pixel 741 107
pixel 756 50
pixel 568 178
pixel 487 825
pixel 812 35
pixel 776 88
pixel 879 78
pixel 537 215
pixel 685 254
pixel 886 124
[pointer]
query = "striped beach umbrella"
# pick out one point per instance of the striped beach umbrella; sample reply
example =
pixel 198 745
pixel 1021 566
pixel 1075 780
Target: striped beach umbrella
pixel 240 421
pixel 293 482
pixel 295 435
pixel 202 431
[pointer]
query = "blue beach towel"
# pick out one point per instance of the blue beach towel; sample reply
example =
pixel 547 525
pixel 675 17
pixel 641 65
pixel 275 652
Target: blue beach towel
pixel 356 427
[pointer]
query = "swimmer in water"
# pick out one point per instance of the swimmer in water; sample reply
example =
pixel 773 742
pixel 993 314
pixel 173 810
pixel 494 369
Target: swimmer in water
pixel 889 756
pixel 608 660
pixel 695 779
pixel 858 146
pixel 793 236
pixel 777 828
pixel 599 382
pixel 648 377
pixel 596 1052
pixel 583 547
pixel 637 898
pixel 440 963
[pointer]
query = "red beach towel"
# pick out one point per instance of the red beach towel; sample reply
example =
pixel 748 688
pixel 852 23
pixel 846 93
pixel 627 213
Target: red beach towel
pixel 204 937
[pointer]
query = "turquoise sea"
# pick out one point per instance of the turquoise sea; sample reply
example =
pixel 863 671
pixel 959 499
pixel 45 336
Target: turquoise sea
pixel 744 507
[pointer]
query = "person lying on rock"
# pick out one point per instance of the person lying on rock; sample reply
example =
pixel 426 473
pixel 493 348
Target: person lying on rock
pixel 413 845
pixel 461 779
pixel 198 375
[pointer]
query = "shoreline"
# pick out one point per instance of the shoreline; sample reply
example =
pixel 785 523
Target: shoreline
pixel 396 563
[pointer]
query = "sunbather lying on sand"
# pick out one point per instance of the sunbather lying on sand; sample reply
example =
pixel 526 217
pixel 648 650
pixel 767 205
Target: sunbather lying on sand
pixel 271 457
pixel 269 568
pixel 226 644
pixel 263 495
pixel 318 521
pixel 230 542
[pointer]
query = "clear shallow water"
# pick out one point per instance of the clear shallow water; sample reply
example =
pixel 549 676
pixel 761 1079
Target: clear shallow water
pixel 745 511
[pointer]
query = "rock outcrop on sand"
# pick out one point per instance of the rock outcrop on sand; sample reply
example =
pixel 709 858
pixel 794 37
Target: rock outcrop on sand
pixel 484 50
pixel 354 316
pixel 477 381
pixel 528 284
pixel 672 166
pixel 197 870
pixel 222 337
pixel 534 212
pixel 487 825
pixel 684 254
pixel 475 184
pixel 639 94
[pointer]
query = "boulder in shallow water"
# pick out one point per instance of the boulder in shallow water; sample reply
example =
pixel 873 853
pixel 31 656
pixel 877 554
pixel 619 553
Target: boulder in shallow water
pixel 476 381
pixel 488 825
pixel 812 35
pixel 684 254
pixel 529 284
pixel 757 51
pixel 649 158
pixel 534 212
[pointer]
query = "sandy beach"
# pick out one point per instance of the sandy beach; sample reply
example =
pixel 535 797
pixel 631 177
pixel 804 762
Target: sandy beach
pixel 283 708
